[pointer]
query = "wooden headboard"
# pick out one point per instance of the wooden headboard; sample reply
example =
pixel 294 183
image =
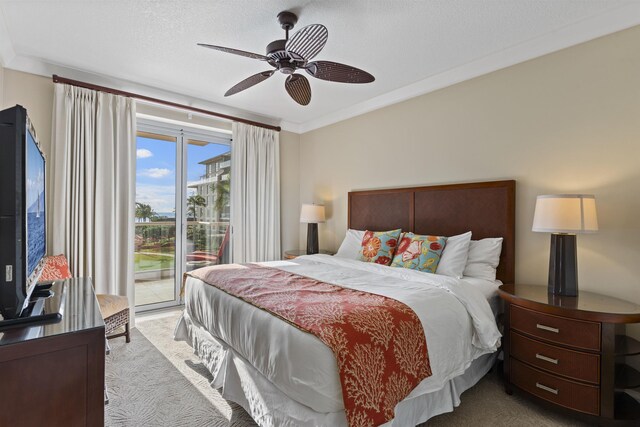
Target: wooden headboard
pixel 487 209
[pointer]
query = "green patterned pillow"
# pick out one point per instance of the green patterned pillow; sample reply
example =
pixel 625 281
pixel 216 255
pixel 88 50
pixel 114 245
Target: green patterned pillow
pixel 419 252
pixel 379 246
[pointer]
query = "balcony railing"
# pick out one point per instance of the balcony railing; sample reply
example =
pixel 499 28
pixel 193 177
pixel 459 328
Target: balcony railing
pixel 155 255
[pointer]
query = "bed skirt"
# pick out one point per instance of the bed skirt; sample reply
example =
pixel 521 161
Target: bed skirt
pixel 240 382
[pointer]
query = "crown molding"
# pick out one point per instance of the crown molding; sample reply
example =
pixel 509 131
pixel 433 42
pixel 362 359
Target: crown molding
pixel 291 126
pixel 582 31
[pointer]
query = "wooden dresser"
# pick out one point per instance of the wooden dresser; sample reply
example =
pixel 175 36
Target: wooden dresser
pixel 53 374
pixel 571 352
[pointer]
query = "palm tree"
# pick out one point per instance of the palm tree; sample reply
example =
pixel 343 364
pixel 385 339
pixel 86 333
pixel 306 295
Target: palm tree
pixel 193 202
pixel 222 189
pixel 144 211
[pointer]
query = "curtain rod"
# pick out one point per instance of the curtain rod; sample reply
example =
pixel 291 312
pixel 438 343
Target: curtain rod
pixel 58 79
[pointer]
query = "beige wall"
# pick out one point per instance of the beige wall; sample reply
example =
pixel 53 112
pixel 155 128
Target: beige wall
pixel 568 122
pixel 35 93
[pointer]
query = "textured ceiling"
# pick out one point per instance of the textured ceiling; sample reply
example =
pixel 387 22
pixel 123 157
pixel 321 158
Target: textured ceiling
pixel 399 42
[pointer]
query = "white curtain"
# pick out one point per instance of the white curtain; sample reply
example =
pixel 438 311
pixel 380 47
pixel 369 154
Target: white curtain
pixel 255 194
pixel 92 186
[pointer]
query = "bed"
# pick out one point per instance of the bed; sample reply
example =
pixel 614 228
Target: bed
pixel 284 376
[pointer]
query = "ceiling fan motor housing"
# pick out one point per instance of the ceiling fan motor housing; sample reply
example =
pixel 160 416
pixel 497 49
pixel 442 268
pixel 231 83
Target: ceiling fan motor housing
pixel 280 58
pixel 275 48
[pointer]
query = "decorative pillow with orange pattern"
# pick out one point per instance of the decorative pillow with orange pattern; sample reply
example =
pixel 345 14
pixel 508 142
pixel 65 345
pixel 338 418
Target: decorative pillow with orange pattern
pixel 379 246
pixel 56 267
pixel 419 252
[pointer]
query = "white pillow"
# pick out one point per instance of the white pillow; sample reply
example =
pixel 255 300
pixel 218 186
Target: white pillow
pixel 351 244
pixel 454 256
pixel 484 256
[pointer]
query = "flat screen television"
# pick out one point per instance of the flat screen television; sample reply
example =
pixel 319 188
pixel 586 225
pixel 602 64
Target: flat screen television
pixel 23 212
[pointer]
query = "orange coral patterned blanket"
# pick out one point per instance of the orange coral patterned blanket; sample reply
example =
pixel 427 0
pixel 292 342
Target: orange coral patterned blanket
pixel 378 342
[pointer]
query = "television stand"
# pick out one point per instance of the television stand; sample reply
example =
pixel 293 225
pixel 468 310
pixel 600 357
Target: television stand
pixel 46 304
pixel 52 374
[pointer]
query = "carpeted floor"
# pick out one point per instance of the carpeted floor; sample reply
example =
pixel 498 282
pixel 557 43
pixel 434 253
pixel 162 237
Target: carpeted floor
pixel 155 381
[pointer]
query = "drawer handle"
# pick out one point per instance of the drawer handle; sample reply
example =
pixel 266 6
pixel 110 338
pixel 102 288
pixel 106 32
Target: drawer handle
pixel 547 328
pixel 545 388
pixel 546 359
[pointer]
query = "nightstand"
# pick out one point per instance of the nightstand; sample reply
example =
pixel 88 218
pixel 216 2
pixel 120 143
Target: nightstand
pixel 570 351
pixel 295 253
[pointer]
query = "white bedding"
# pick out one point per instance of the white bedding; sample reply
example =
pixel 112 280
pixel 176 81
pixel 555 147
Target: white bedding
pixel 240 382
pixel 490 291
pixel 458 323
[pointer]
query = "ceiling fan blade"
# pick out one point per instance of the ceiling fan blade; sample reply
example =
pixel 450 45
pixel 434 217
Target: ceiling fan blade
pixel 235 51
pixel 250 81
pixel 298 88
pixel 336 72
pixel 307 42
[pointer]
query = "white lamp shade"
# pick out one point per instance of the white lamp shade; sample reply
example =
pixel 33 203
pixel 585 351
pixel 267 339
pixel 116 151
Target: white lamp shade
pixel 565 213
pixel 312 214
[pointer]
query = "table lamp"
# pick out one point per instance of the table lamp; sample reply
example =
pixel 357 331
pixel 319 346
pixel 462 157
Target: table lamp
pixel 312 215
pixel 564 215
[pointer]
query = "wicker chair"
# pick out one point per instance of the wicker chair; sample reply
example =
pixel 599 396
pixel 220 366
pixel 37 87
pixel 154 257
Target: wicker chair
pixel 115 312
pixel 114 308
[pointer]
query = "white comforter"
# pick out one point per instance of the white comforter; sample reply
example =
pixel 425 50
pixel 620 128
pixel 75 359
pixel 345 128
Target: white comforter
pixel 457 320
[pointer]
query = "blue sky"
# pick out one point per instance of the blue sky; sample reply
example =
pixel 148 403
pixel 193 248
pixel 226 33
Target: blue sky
pixel 156 169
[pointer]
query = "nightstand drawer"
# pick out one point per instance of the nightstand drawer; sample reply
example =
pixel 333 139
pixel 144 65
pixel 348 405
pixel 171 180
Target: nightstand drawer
pixel 560 330
pixel 569 394
pixel 557 360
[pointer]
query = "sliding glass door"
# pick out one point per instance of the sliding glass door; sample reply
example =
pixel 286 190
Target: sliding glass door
pixel 182 208
pixel 156 225
pixel 207 203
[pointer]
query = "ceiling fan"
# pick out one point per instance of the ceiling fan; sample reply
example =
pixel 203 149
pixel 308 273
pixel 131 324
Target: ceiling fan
pixel 292 54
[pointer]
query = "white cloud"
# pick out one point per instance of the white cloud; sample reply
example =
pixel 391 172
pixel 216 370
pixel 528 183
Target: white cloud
pixel 143 153
pixel 155 172
pixel 162 198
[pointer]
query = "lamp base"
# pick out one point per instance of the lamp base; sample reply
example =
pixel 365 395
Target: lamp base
pixel 563 265
pixel 312 239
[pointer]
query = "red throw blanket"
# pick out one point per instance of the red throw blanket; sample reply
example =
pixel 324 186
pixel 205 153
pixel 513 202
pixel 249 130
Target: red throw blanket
pixel 378 342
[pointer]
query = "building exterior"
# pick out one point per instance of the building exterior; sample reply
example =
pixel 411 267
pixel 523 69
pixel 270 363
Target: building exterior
pixel 218 171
